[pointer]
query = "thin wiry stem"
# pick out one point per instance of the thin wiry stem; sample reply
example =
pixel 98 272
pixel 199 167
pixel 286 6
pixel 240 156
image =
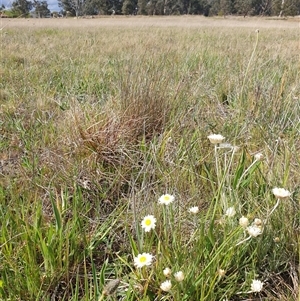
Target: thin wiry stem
pixel 217 165
pixel 273 209
pixel 245 172
pixel 249 237
pixel 249 63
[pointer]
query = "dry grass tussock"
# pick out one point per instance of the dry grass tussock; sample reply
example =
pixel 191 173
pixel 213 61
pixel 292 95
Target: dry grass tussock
pixel 118 132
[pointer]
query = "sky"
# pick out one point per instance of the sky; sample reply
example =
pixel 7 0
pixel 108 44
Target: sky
pixel 52 4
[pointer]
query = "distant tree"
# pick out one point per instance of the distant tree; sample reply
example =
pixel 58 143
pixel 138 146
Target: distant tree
pixel 74 7
pixel 187 6
pixel 128 7
pixel 256 7
pixel 266 7
pixel 205 7
pixel 285 7
pixel 115 6
pixel 141 5
pixel 166 6
pixel 2 7
pixel 22 7
pixel 98 7
pixel 91 7
pixel 178 8
pixel 225 7
pixel 243 7
pixel 174 7
pixel 151 7
pixel 214 7
pixel 41 8
pixel 261 7
pixel 199 7
pixel 66 7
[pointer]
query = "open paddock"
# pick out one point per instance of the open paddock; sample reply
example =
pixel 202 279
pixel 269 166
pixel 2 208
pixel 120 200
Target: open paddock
pixel 157 21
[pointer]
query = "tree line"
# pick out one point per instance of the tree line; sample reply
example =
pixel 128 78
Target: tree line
pixel 163 7
pixel 180 7
pixel 22 8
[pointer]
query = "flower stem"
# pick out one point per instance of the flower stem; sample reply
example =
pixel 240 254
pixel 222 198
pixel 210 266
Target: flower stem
pixel 249 63
pixel 273 209
pixel 217 165
pixel 245 172
pixel 243 241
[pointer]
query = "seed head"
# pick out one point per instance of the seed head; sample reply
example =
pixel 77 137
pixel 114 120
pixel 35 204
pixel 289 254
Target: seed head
pixel 111 287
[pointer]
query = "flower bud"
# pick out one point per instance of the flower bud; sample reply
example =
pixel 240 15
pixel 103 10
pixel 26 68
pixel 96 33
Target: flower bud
pixel 244 222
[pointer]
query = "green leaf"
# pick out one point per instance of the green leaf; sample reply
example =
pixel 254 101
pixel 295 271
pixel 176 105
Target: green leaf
pixel 57 214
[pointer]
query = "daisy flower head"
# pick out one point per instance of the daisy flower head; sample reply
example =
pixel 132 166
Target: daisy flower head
pixel 215 138
pixel 281 193
pixel 221 272
pixel 257 222
pixel 166 286
pixel 144 259
pixel 258 156
pixel 254 231
pixel 166 199
pixel 148 223
pixel 230 212
pixel 167 272
pixel 256 286
pixel 244 222
pixel 194 210
pixel 179 276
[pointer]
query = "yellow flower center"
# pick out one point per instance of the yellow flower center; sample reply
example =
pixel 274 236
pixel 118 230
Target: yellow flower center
pixel 143 259
pixel 147 222
pixel 167 198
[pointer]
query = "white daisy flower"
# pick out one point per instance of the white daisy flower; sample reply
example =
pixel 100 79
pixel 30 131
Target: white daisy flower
pixel 281 193
pixel 256 286
pixel 257 222
pixel 258 157
pixel 166 199
pixel 221 272
pixel 166 286
pixel 230 212
pixel 244 222
pixel 167 272
pixel 144 259
pixel 254 231
pixel 194 210
pixel 215 138
pixel 148 223
pixel 179 276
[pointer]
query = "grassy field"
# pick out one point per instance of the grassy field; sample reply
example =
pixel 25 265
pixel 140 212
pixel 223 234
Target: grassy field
pixel 109 185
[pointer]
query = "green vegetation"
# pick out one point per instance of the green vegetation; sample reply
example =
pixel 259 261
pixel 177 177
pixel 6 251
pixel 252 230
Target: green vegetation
pixel 22 8
pixel 182 7
pixel 280 8
pixel 97 125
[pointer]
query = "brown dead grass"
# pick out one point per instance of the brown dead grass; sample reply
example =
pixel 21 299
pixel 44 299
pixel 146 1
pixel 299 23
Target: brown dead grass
pixel 157 21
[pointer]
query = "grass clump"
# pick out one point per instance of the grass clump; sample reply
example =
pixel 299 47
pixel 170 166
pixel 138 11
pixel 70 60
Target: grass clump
pixel 111 183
